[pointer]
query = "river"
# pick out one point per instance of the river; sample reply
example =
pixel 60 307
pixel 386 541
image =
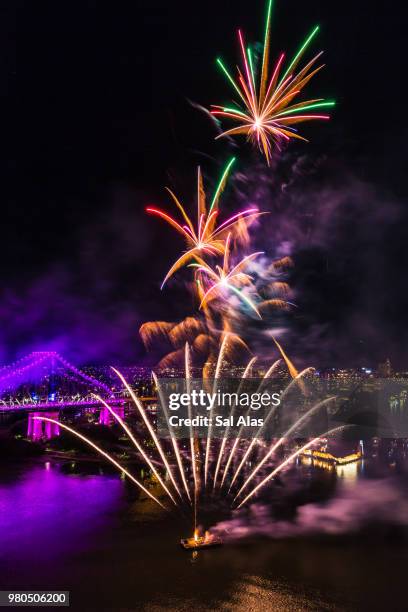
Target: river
pixel 90 535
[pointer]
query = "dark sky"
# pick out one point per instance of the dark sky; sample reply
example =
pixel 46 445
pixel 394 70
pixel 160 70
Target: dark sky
pixel 103 94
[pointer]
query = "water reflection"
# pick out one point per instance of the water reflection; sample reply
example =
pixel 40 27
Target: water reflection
pixel 82 533
pixel 348 471
pixel 44 512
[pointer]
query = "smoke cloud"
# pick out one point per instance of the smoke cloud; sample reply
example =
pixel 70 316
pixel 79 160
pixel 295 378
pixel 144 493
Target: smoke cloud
pixel 89 304
pixel 350 308
pixel 346 280
pixel 349 511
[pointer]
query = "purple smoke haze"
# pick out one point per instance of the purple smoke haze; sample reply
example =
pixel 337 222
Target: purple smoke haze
pixel 346 280
pixel 352 508
pixel 89 303
pixel 86 305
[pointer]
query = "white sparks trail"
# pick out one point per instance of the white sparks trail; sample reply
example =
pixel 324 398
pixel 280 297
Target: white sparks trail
pixel 254 439
pixel 192 449
pixel 138 447
pixel 220 463
pixel 267 375
pixel 244 376
pixel 104 454
pixel 288 460
pixel 277 444
pixel 217 371
pixel 151 430
pixel 173 439
pixel 269 416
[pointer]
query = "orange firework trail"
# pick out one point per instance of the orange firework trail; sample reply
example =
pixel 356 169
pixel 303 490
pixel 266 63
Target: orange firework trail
pixel 206 238
pixel 292 370
pixel 266 113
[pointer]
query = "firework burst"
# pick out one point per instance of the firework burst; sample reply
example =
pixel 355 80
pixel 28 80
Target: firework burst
pixel 207 237
pixel 226 278
pixel 267 111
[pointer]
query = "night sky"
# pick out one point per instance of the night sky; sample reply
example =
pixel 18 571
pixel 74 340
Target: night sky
pixel 107 100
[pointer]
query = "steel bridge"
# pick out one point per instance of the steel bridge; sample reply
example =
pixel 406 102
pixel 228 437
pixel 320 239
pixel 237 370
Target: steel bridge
pixel 44 383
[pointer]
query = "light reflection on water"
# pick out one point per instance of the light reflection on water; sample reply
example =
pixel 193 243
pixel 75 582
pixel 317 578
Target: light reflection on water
pixel 348 471
pixel 52 511
pixel 84 534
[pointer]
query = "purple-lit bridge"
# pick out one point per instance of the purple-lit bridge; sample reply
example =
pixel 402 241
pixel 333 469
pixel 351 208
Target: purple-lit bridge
pixel 46 383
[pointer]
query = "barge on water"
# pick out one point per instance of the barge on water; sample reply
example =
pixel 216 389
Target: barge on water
pixel 197 542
